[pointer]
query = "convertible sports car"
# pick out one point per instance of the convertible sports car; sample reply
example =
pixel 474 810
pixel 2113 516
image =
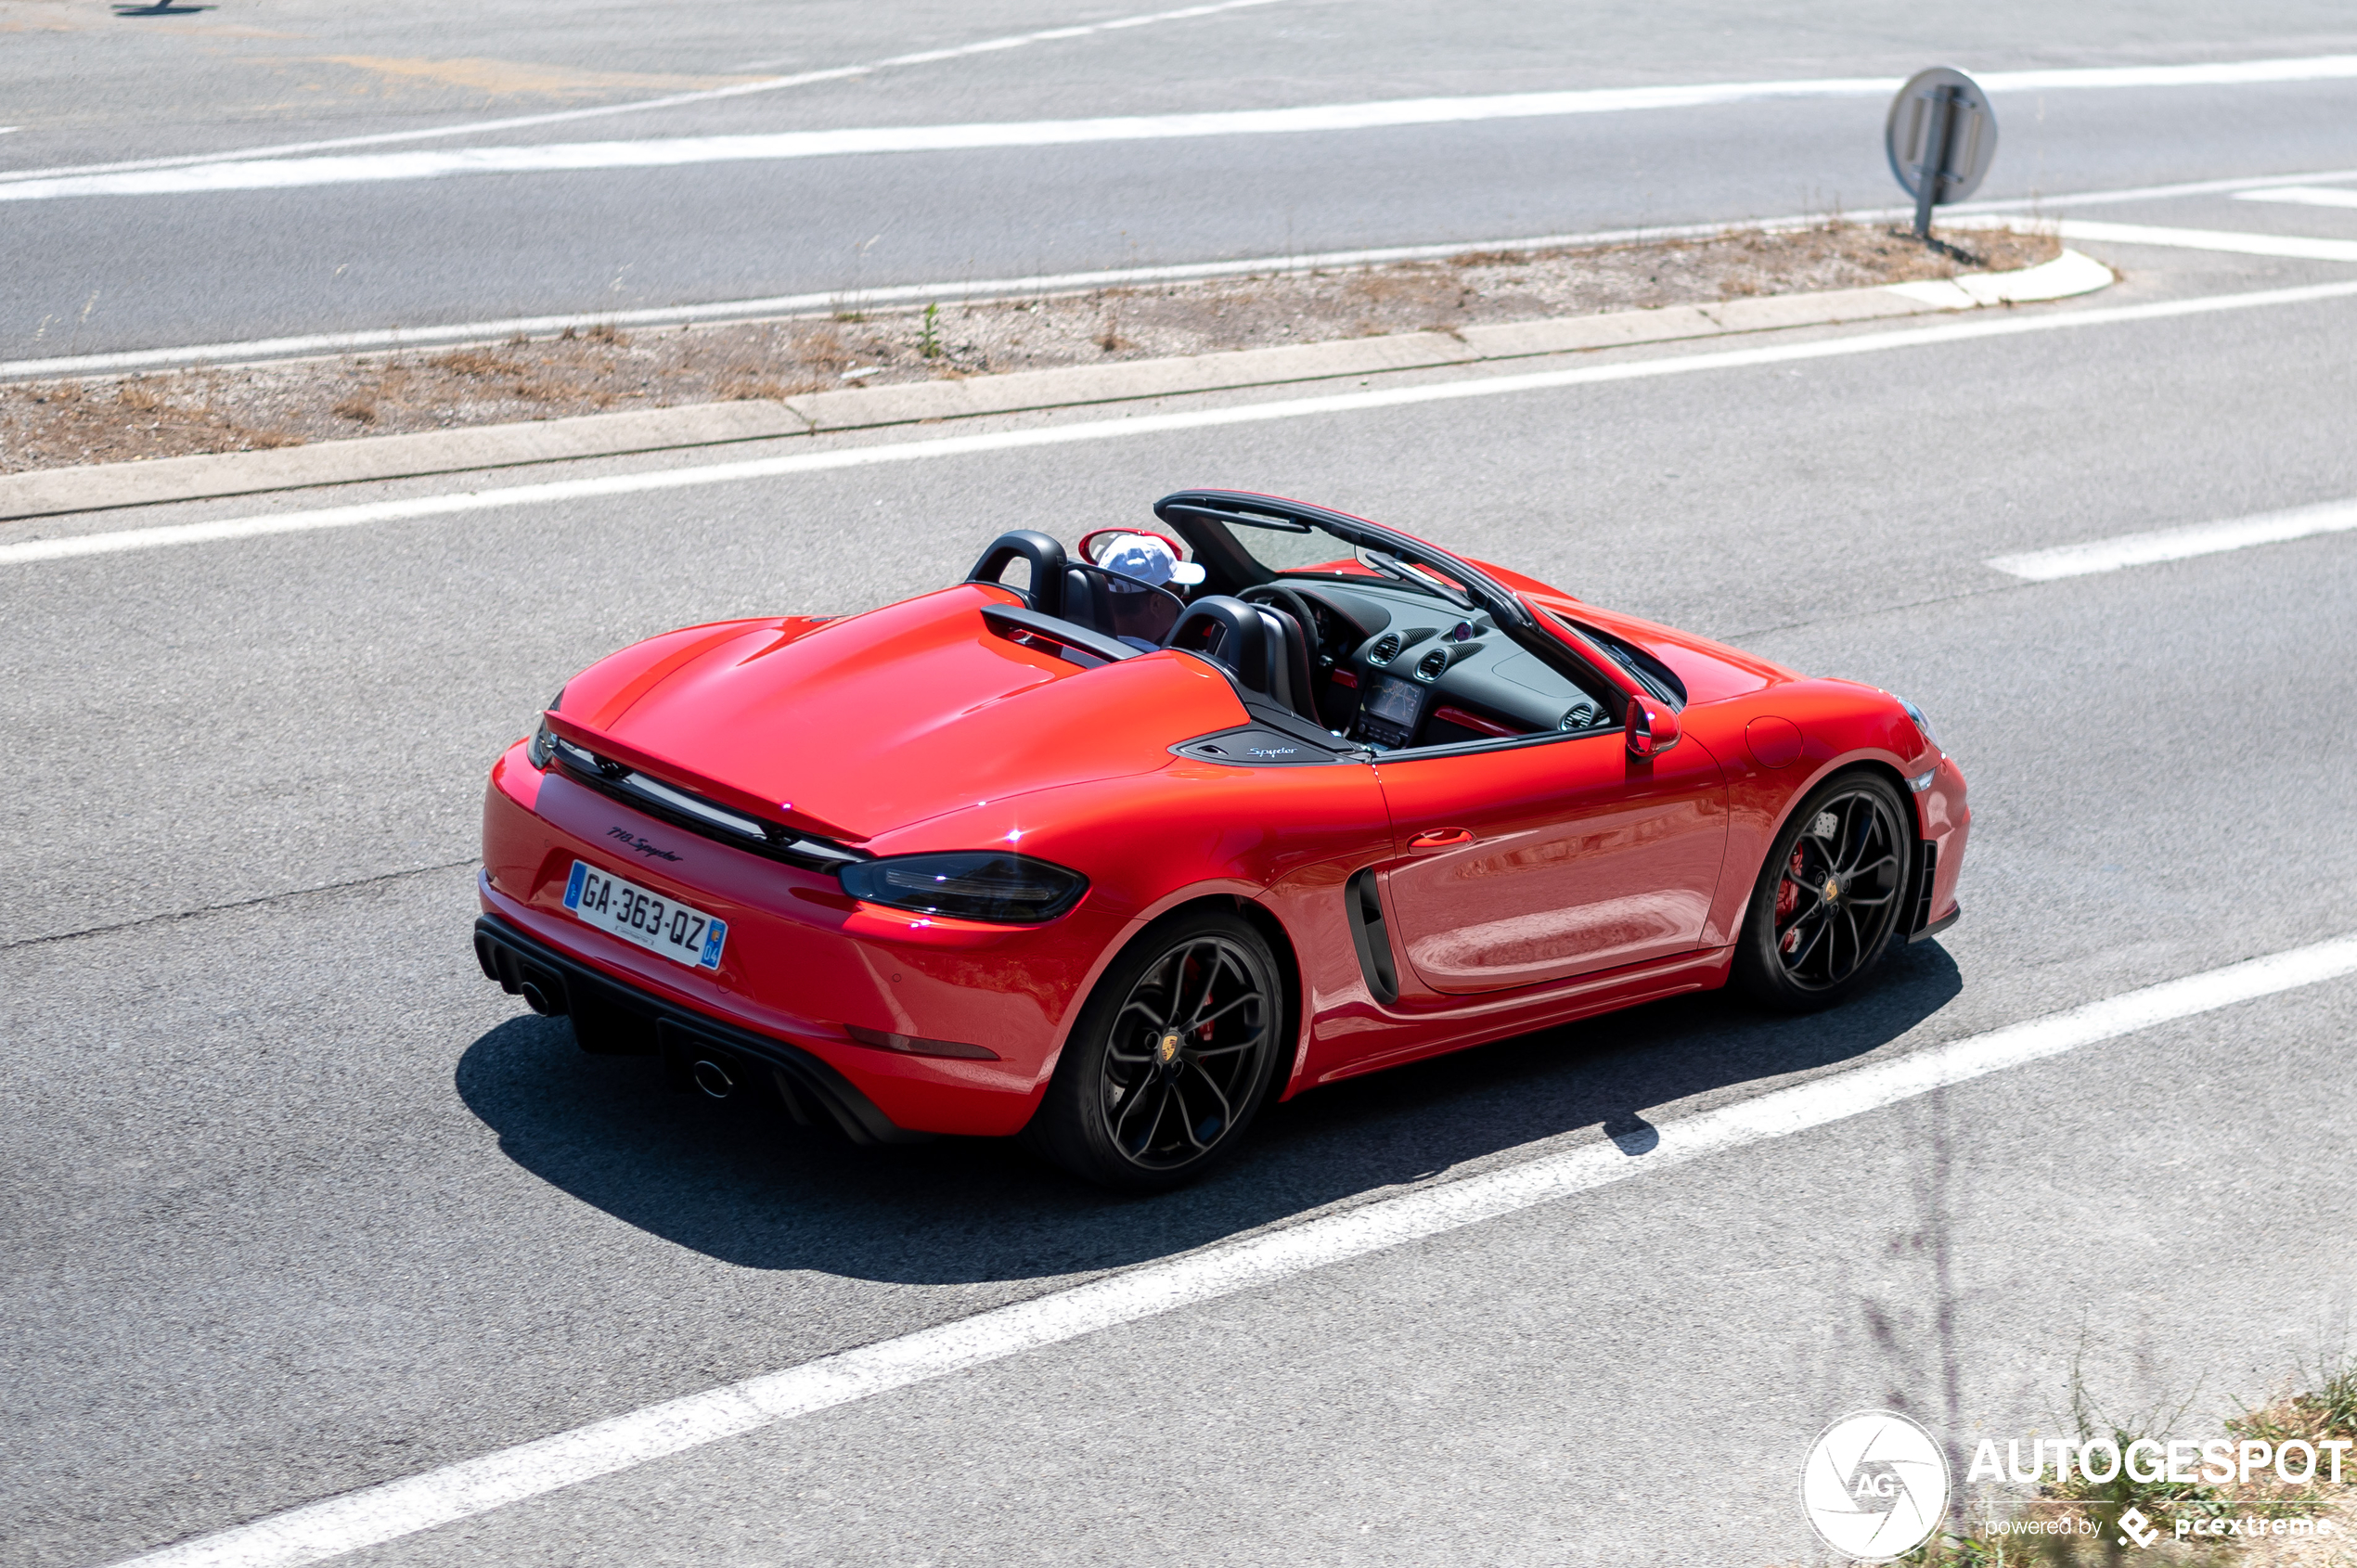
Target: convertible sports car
pixel 1107 847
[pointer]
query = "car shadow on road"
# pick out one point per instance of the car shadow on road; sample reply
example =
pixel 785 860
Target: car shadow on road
pixel 740 1183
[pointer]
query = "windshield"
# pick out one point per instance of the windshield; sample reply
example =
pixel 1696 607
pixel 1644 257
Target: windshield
pixel 1284 545
pixel 1289 546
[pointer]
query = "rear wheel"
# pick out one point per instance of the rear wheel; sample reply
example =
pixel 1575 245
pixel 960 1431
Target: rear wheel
pixel 1825 910
pixel 1170 1059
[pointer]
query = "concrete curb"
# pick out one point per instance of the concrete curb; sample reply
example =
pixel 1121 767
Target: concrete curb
pixel 105 487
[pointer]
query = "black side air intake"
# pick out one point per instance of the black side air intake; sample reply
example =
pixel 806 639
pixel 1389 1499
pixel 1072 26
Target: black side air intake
pixel 1368 934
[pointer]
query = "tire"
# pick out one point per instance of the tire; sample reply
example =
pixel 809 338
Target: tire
pixel 1826 911
pixel 1188 1018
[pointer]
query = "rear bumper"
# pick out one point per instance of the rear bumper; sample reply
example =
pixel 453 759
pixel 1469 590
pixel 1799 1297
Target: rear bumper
pixel 861 989
pixel 566 985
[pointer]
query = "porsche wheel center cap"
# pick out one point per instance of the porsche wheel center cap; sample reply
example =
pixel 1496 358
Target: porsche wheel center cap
pixel 1166 1049
pixel 1832 889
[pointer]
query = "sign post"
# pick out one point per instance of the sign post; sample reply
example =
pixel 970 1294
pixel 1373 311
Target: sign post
pixel 1941 138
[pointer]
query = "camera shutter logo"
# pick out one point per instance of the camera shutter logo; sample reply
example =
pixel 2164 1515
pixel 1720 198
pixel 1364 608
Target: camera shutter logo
pixel 1874 1485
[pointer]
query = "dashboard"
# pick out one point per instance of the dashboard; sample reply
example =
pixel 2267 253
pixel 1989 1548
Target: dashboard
pixel 1393 668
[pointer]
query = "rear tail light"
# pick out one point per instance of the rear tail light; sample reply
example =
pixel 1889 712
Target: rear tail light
pixel 542 752
pixel 967 885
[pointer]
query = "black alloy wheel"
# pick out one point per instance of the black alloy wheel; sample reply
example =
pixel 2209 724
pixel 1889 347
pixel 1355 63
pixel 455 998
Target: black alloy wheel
pixel 1828 900
pixel 1170 1058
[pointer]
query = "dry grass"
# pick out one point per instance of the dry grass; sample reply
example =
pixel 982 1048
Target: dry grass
pixel 602 367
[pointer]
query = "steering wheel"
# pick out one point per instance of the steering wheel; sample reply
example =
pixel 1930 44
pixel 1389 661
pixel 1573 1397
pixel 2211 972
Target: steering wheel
pixel 1294 604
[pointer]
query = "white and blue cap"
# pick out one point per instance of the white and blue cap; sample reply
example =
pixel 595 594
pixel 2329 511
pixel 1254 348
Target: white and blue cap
pixel 1144 559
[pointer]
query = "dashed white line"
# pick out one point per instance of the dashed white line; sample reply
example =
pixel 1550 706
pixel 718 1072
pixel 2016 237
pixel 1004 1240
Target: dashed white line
pixel 30 551
pixel 284 173
pixel 386 1512
pixel 2178 543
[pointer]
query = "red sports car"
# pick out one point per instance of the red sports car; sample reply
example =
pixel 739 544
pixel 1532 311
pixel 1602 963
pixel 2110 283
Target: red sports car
pixel 1106 847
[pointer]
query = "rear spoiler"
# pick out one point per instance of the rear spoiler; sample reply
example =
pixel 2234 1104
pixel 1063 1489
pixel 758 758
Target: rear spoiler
pixel 719 792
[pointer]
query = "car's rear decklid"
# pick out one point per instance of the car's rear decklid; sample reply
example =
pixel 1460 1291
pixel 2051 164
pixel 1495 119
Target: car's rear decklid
pixel 878 720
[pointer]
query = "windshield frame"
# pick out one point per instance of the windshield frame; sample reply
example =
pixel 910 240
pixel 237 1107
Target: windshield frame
pixel 1204 518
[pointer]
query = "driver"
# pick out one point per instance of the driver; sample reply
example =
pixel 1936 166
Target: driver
pixel 1144 559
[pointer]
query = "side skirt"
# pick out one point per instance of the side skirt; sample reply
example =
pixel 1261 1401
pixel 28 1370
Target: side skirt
pixel 1584 997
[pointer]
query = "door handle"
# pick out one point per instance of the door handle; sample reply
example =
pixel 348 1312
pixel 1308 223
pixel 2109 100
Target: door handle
pixel 1441 838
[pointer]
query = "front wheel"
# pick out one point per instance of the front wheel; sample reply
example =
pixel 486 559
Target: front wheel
pixel 1170 1059
pixel 1827 902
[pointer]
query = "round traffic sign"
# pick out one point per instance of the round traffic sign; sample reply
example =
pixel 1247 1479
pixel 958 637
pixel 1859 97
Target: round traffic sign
pixel 1948 108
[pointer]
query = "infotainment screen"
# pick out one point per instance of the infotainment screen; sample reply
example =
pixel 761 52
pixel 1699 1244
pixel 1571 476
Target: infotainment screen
pixel 1394 701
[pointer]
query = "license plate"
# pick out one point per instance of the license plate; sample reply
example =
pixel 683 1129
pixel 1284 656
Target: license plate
pixel 658 924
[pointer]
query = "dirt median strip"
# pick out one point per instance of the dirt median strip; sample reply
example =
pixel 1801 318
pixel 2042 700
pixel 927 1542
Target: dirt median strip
pixel 709 386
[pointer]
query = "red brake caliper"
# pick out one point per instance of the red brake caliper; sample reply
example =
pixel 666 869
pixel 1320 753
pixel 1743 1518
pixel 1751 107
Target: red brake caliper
pixel 1788 898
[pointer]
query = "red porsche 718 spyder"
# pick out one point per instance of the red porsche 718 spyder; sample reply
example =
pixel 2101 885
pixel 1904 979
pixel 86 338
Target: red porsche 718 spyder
pixel 1105 848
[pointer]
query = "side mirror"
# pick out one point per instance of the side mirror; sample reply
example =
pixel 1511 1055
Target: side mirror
pixel 1652 729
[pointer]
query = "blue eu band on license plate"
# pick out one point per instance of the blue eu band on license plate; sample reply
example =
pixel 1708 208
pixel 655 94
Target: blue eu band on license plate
pixel 661 925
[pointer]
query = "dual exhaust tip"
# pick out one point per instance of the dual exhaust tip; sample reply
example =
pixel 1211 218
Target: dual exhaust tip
pixel 716 1073
pixel 710 1069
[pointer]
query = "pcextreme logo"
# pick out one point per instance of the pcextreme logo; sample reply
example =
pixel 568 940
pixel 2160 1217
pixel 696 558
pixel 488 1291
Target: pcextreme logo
pixel 1874 1485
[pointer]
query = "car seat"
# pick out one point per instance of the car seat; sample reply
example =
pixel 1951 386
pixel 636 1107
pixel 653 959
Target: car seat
pixel 1263 647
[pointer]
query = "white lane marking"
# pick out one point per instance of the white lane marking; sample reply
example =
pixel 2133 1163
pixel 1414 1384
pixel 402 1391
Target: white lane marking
pixel 32 550
pixel 675 151
pixel 2301 196
pixel 472 1486
pixel 280 174
pixel 672 100
pixel 2178 543
pixel 2232 241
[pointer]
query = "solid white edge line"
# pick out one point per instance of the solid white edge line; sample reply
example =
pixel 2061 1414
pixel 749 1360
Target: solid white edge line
pixel 284 173
pixel 671 100
pixel 326 1529
pixel 250 172
pixel 2178 543
pixel 72 545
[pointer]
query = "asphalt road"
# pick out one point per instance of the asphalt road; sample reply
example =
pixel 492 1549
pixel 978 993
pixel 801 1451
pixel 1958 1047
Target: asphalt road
pixel 88 88
pixel 297 1202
